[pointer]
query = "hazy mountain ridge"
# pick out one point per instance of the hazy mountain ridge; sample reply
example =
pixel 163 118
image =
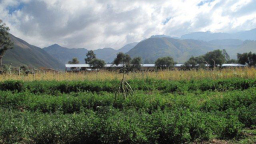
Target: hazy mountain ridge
pixel 25 54
pixel 208 36
pixel 66 54
pixel 181 50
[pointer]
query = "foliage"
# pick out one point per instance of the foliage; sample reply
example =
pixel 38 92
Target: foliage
pixel 227 57
pixel 5 40
pixel 97 63
pixel 247 58
pixel 136 63
pixel 74 61
pixel 122 58
pixel 160 111
pixel 164 63
pixel 89 57
pixel 214 58
pixel 195 62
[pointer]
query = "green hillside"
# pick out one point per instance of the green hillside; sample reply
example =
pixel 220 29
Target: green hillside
pixel 66 54
pixel 180 50
pixel 32 56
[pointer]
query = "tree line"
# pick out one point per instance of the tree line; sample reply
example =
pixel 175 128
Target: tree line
pixel 211 59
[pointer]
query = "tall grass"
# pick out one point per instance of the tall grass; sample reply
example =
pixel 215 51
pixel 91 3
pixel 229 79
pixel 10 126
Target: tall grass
pixel 162 75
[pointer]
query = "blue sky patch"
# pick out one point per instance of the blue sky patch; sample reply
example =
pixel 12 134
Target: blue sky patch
pixel 166 21
pixel 15 8
pixel 204 2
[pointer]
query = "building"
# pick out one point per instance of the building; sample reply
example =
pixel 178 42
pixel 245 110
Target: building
pixel 144 67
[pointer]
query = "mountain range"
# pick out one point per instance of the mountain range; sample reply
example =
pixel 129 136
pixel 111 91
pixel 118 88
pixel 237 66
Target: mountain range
pixel 64 54
pixel 208 36
pixel 181 49
pixel 25 54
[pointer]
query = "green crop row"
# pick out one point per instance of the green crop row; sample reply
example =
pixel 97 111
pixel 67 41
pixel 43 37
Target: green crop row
pixel 78 102
pixel 75 102
pixel 56 88
pixel 109 125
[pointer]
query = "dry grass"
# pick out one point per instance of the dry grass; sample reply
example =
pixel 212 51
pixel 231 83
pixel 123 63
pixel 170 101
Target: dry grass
pixel 106 75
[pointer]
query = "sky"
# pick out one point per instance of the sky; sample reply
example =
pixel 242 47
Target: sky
pixel 94 24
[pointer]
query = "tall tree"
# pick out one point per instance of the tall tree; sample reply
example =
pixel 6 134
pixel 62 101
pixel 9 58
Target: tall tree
pixel 136 63
pixel 89 56
pixel 164 62
pixel 122 58
pixel 74 61
pixel 214 58
pixel 247 58
pixel 227 57
pixel 5 40
pixel 97 63
pixel 195 62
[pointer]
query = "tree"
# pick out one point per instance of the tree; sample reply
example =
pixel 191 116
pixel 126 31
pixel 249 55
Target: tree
pixel 122 58
pixel 136 63
pixel 74 61
pixel 195 62
pixel 214 58
pixel 97 63
pixel 247 58
pixel 5 40
pixel 227 57
pixel 89 56
pixel 164 62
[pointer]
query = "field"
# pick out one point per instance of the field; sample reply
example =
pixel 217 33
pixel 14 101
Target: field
pixel 165 107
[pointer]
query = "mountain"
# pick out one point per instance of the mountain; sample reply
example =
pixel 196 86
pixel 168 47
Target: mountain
pixel 106 54
pixel 25 54
pixel 127 47
pixel 181 50
pixel 227 42
pixel 247 46
pixel 155 47
pixel 66 54
pixel 208 36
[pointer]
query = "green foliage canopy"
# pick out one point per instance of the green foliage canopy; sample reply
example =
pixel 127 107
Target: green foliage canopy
pixel 214 58
pixel 122 58
pixel 89 57
pixel 97 63
pixel 247 58
pixel 136 63
pixel 74 61
pixel 5 40
pixel 164 62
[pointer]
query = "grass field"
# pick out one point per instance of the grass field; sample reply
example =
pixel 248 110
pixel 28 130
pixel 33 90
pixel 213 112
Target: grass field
pixel 166 107
pixel 163 75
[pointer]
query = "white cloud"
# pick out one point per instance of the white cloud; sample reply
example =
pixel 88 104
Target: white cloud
pixel 96 24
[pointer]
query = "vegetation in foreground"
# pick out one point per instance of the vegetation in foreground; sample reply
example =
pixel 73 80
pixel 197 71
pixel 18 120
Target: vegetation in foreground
pixel 171 75
pixel 160 111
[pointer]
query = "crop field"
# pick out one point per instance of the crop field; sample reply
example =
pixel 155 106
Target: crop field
pixel 165 107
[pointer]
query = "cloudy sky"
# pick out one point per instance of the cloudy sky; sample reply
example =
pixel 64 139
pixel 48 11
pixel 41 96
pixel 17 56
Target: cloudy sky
pixel 94 24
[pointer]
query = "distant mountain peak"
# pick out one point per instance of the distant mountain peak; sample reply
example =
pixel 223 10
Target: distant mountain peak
pixel 159 36
pixel 56 45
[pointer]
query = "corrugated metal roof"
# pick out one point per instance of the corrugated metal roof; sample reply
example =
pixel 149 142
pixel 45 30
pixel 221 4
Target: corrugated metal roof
pixel 77 65
pixel 148 65
pixel 144 65
pixel 233 65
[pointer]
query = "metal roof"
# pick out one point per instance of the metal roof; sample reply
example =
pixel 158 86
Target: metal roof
pixel 143 65
pixel 77 65
pixel 233 65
